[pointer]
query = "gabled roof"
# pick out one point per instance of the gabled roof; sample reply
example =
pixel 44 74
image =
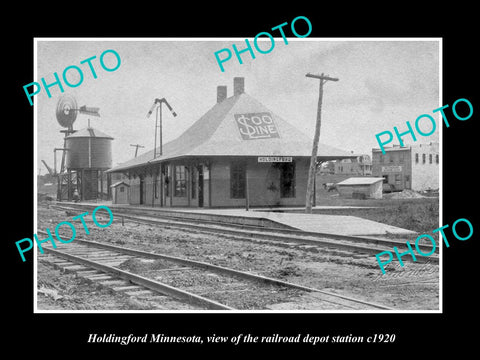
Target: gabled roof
pixel 118 183
pixel 217 134
pixel 361 181
pixel 89 132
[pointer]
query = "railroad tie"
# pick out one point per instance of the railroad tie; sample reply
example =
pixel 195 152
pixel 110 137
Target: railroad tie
pixel 88 272
pixel 127 287
pixel 73 267
pixel 98 277
pixel 109 283
pixel 139 293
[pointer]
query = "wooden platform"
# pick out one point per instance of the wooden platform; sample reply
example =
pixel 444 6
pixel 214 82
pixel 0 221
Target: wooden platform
pixel 321 223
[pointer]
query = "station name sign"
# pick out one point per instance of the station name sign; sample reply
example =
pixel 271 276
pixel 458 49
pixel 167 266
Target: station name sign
pixel 256 126
pixel 273 159
pixel 392 168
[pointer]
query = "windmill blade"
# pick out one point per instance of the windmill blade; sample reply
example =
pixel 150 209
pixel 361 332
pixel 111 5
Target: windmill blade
pixel 169 107
pixel 93 111
pixel 151 109
pixel 65 111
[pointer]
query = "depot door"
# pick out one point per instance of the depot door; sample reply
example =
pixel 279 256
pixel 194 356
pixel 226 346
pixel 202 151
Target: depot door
pixel 142 181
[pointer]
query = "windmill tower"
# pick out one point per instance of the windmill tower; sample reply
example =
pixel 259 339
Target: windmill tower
pixel 86 153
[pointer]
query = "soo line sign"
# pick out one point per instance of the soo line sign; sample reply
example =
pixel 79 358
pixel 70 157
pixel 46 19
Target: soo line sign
pixel 256 126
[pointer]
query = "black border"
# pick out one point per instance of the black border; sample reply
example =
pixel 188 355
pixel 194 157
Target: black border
pixel 49 332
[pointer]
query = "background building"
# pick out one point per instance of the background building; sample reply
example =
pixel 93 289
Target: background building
pixel 361 188
pixel 413 167
pixel 358 165
pixel 327 168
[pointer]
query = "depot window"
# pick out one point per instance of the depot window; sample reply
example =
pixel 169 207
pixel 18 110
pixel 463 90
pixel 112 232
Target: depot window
pixel 237 180
pixel 287 180
pixel 180 188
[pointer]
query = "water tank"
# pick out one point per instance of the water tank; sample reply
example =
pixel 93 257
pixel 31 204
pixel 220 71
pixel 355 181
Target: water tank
pixel 89 149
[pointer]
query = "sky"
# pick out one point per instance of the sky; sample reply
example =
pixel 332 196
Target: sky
pixel 382 83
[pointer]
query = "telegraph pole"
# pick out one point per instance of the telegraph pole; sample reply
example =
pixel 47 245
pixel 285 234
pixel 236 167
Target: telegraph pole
pixel 137 146
pixel 311 173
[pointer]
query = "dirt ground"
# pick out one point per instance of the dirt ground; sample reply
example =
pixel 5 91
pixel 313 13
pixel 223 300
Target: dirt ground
pixel 412 287
pixel 416 212
pixel 65 291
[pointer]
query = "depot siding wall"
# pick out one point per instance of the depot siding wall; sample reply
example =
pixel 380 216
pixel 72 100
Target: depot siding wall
pixel 220 185
pixel 135 191
pixel 263 184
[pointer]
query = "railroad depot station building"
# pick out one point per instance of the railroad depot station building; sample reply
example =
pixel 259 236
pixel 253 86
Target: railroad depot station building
pixel 238 152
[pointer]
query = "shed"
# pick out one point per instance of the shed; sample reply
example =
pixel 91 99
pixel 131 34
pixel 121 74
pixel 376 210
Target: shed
pixel 120 193
pixel 361 187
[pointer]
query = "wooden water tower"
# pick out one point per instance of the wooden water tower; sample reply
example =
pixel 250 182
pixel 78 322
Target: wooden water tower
pixel 86 154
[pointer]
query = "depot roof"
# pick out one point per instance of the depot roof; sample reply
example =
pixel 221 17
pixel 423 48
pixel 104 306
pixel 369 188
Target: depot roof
pixel 217 133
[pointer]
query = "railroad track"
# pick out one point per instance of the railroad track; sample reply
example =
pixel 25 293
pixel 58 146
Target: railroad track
pixel 200 284
pixel 309 241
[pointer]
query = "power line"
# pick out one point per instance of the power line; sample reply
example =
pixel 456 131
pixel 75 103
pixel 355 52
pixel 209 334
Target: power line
pixel 311 172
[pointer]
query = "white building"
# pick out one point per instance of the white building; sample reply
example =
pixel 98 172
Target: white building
pixel 357 165
pixel 414 167
pixel 361 188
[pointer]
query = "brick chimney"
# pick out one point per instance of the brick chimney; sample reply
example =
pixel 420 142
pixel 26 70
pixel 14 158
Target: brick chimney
pixel 221 93
pixel 238 85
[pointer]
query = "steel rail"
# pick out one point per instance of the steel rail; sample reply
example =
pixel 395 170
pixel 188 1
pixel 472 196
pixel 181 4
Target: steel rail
pixel 286 230
pixel 145 282
pixel 275 237
pixel 275 234
pixel 224 270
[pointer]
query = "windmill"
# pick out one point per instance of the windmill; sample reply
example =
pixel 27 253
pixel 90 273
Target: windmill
pixel 66 114
pixel 158 122
pixel 158 125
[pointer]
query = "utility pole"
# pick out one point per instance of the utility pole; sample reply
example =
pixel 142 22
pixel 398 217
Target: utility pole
pixel 137 146
pixel 311 173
